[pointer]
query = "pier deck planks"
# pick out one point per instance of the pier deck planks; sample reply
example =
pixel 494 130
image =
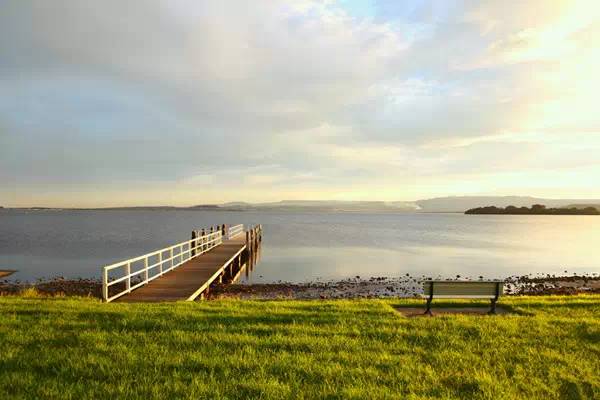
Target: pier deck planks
pixel 191 278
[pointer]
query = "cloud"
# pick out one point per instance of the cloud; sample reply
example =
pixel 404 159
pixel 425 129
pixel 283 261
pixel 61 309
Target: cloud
pixel 228 100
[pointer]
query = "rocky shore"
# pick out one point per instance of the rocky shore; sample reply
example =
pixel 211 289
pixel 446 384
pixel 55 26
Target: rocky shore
pixel 375 287
pixel 58 286
pixel 383 287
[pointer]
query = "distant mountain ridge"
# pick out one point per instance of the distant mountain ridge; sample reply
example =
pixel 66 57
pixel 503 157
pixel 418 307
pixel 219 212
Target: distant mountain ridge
pixel 325 205
pixel 440 204
pixel 454 204
pixel 463 203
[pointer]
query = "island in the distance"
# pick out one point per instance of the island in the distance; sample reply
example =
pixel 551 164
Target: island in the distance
pixel 536 209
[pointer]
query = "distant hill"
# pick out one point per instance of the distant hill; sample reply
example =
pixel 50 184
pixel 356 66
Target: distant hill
pixel 463 203
pixel 236 204
pixel 457 204
pixel 285 205
pixel 206 206
pixel 536 209
pixel 324 205
pixel 581 206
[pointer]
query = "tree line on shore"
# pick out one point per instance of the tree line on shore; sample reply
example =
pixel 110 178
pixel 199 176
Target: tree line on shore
pixel 536 209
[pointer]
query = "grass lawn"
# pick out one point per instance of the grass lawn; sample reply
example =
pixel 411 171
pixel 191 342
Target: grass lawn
pixel 549 347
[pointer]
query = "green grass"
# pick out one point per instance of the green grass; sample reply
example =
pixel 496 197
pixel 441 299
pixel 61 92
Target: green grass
pixel 80 348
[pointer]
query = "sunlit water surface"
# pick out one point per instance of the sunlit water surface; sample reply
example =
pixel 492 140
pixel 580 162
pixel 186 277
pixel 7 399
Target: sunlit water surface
pixel 301 247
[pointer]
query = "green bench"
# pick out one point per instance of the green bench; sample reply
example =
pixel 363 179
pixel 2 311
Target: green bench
pixel 445 289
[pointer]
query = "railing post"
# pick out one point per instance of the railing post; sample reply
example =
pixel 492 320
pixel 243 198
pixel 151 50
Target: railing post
pixel 197 248
pixel 202 238
pixel 128 281
pixel 171 256
pixel 160 262
pixel 146 269
pixel 193 243
pixel 105 285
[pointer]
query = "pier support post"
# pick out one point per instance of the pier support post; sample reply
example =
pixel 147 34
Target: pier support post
pixel 248 245
pixel 231 269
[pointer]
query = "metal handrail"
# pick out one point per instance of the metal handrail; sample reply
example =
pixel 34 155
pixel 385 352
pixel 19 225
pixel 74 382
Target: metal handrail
pixel 235 230
pixel 186 251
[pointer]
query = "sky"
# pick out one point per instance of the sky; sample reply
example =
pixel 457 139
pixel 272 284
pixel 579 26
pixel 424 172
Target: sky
pixel 182 102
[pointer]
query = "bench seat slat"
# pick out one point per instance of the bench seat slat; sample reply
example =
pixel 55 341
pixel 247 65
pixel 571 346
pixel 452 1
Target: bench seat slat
pixel 462 289
pixel 453 296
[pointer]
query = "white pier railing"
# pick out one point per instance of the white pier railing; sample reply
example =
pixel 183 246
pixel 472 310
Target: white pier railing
pixel 148 267
pixel 235 230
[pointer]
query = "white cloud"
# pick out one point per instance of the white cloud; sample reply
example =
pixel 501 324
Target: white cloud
pixel 302 97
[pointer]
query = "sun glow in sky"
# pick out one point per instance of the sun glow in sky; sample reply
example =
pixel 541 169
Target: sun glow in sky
pixel 184 102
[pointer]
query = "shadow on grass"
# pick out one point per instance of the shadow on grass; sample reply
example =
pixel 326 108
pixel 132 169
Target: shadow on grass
pixel 447 308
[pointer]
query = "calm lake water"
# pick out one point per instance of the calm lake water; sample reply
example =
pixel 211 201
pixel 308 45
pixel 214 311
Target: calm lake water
pixel 300 247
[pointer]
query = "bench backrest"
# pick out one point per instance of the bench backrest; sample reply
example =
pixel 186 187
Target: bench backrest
pixel 467 289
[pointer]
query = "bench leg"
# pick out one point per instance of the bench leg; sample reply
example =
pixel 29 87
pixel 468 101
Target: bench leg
pixel 428 311
pixel 493 309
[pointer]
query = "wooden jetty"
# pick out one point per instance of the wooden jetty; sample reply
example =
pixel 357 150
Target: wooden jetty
pixel 185 270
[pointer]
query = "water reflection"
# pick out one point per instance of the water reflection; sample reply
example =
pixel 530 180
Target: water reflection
pixel 251 262
pixel 300 247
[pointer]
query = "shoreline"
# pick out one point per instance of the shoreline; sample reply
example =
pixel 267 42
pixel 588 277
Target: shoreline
pixel 375 287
